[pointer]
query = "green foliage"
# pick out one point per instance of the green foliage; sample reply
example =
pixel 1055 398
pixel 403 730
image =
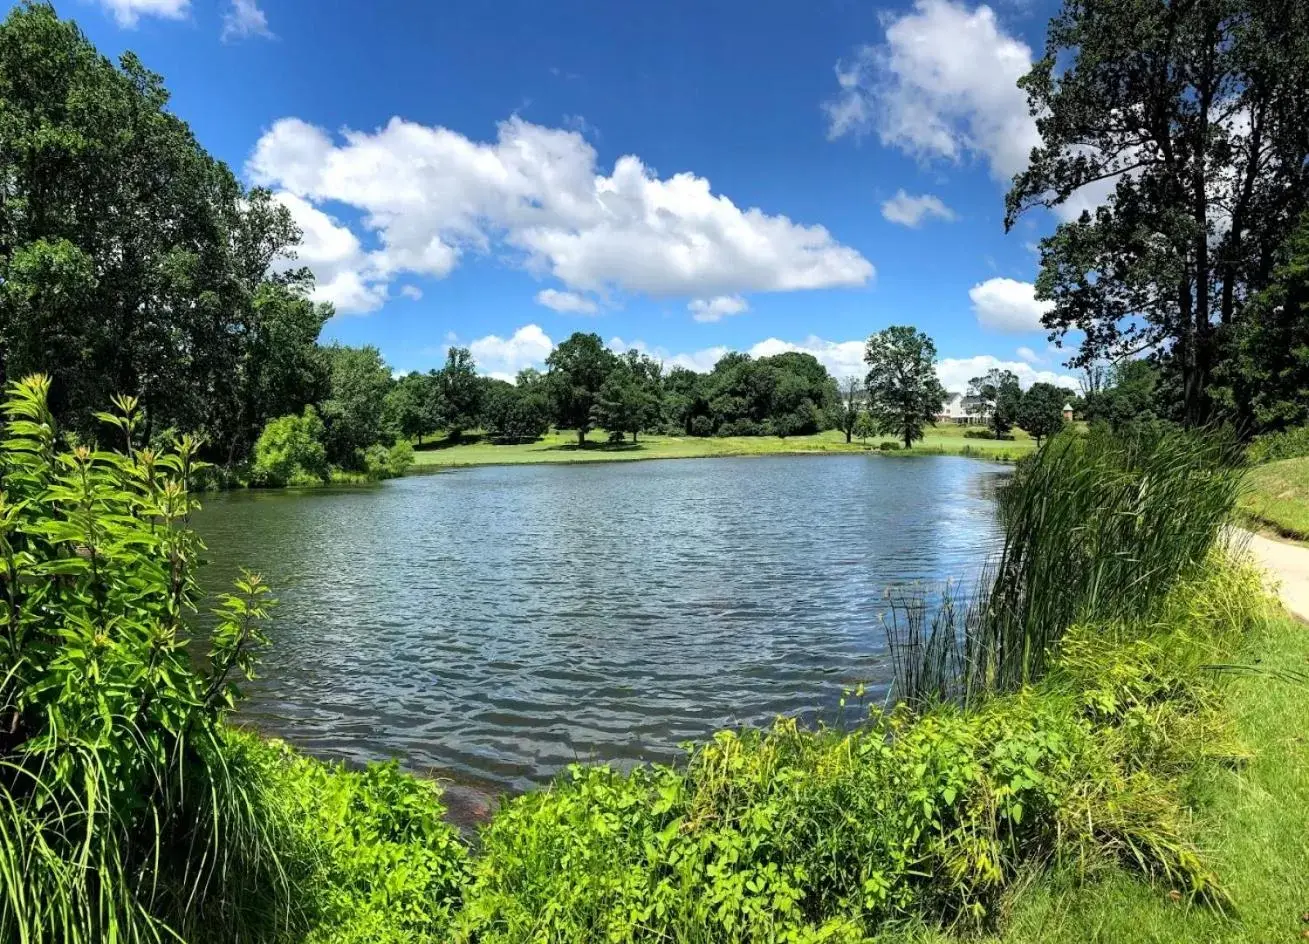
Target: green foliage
pixel 1207 154
pixel 459 392
pixel 996 397
pixel 121 816
pixel 371 856
pixel 354 410
pixel 864 426
pixel 290 451
pixel 989 434
pixel 131 259
pixel 576 370
pixel 904 394
pixel 849 407
pixel 387 462
pixel 517 412
pixel 1287 444
pixel 413 406
pixel 1131 396
pixel 1041 411
pixel 888 446
pixel 630 399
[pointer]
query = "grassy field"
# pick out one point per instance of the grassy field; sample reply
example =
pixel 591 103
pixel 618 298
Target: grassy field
pixel 562 447
pixel 1255 821
pixel 1278 498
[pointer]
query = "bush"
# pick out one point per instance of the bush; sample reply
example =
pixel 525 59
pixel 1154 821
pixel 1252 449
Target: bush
pixel 742 428
pixel 290 451
pixel 987 434
pixel 1288 444
pixel 888 446
pixel 381 462
pixel 122 816
pixel 702 425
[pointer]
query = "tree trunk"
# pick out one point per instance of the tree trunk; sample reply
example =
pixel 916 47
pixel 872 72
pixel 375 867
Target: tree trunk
pixel 634 431
pixel 581 438
pixel 847 437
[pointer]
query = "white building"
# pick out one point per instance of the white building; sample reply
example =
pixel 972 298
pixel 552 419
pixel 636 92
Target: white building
pixel 962 411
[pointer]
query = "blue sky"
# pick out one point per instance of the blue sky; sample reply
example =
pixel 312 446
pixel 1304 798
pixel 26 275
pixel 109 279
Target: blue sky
pixel 682 176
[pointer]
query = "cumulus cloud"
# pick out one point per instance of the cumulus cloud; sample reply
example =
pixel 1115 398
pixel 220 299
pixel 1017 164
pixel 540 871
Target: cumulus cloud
pixel 717 308
pixel 129 12
pixel 570 302
pixel 503 358
pixel 244 19
pixel 1008 305
pixel 346 275
pixel 911 211
pixel 412 292
pixel 430 195
pixel 943 85
pixel 1027 354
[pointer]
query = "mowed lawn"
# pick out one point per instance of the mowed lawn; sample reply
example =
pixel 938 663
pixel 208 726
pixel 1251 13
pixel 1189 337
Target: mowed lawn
pixel 562 447
pixel 1278 497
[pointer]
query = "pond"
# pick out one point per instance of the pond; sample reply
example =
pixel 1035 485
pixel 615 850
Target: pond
pixel 496 624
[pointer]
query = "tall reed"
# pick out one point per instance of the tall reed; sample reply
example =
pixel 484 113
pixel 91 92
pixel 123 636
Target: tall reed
pixel 1097 527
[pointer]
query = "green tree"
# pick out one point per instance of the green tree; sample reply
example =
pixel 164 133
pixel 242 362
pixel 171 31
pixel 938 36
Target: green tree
pixel 413 406
pixel 460 392
pixel 1131 395
pixel 996 396
pixel 851 406
pixel 1265 378
pixel 290 451
pixel 516 412
pixel 1196 113
pixel 354 409
pixel 1041 410
pixel 576 370
pixel 685 399
pixel 904 394
pixel 865 426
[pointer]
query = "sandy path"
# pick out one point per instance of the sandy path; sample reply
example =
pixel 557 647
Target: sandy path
pixel 1288 564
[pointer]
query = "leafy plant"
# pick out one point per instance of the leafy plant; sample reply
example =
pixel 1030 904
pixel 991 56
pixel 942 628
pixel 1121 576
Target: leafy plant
pixel 290 451
pixel 121 815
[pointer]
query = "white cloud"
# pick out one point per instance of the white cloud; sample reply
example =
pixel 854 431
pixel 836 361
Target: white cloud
pixel 911 211
pixel 1027 354
pixel 955 372
pixel 943 85
pixel 1008 305
pixel 430 194
pixel 412 292
pixel 129 12
pixel 717 308
pixel 244 19
pixel 566 301
pixel 503 358
pixel 347 276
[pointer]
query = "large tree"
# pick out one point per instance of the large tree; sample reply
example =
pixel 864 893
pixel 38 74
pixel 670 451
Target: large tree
pixel 354 409
pixel 1041 410
pixel 1194 113
pixel 575 372
pixel 904 394
pixel 459 392
pixel 995 397
pixel 851 405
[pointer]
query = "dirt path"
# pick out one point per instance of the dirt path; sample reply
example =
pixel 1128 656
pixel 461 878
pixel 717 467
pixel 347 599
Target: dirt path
pixel 1288 564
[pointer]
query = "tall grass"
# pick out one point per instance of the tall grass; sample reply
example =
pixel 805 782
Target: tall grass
pixel 1097 527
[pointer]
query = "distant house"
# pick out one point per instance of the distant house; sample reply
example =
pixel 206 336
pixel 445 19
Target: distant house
pixel 962 410
pixel 1068 412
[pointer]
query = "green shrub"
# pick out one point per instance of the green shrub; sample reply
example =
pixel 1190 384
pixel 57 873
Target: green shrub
pixel 121 815
pixel 987 434
pixel 371 856
pixel 381 462
pixel 888 446
pixel 290 451
pixel 1288 444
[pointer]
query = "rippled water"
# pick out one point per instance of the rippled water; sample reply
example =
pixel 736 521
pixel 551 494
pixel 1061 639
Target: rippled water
pixel 500 623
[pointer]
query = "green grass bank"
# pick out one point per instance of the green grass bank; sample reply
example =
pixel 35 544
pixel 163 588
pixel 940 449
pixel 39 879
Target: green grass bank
pixel 562 447
pixel 1278 498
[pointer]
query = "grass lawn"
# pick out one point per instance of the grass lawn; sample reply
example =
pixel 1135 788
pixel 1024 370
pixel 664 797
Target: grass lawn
pixel 1278 498
pixel 1254 823
pixel 562 447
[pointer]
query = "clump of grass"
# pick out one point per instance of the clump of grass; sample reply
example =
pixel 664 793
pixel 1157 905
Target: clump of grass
pixel 1097 528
